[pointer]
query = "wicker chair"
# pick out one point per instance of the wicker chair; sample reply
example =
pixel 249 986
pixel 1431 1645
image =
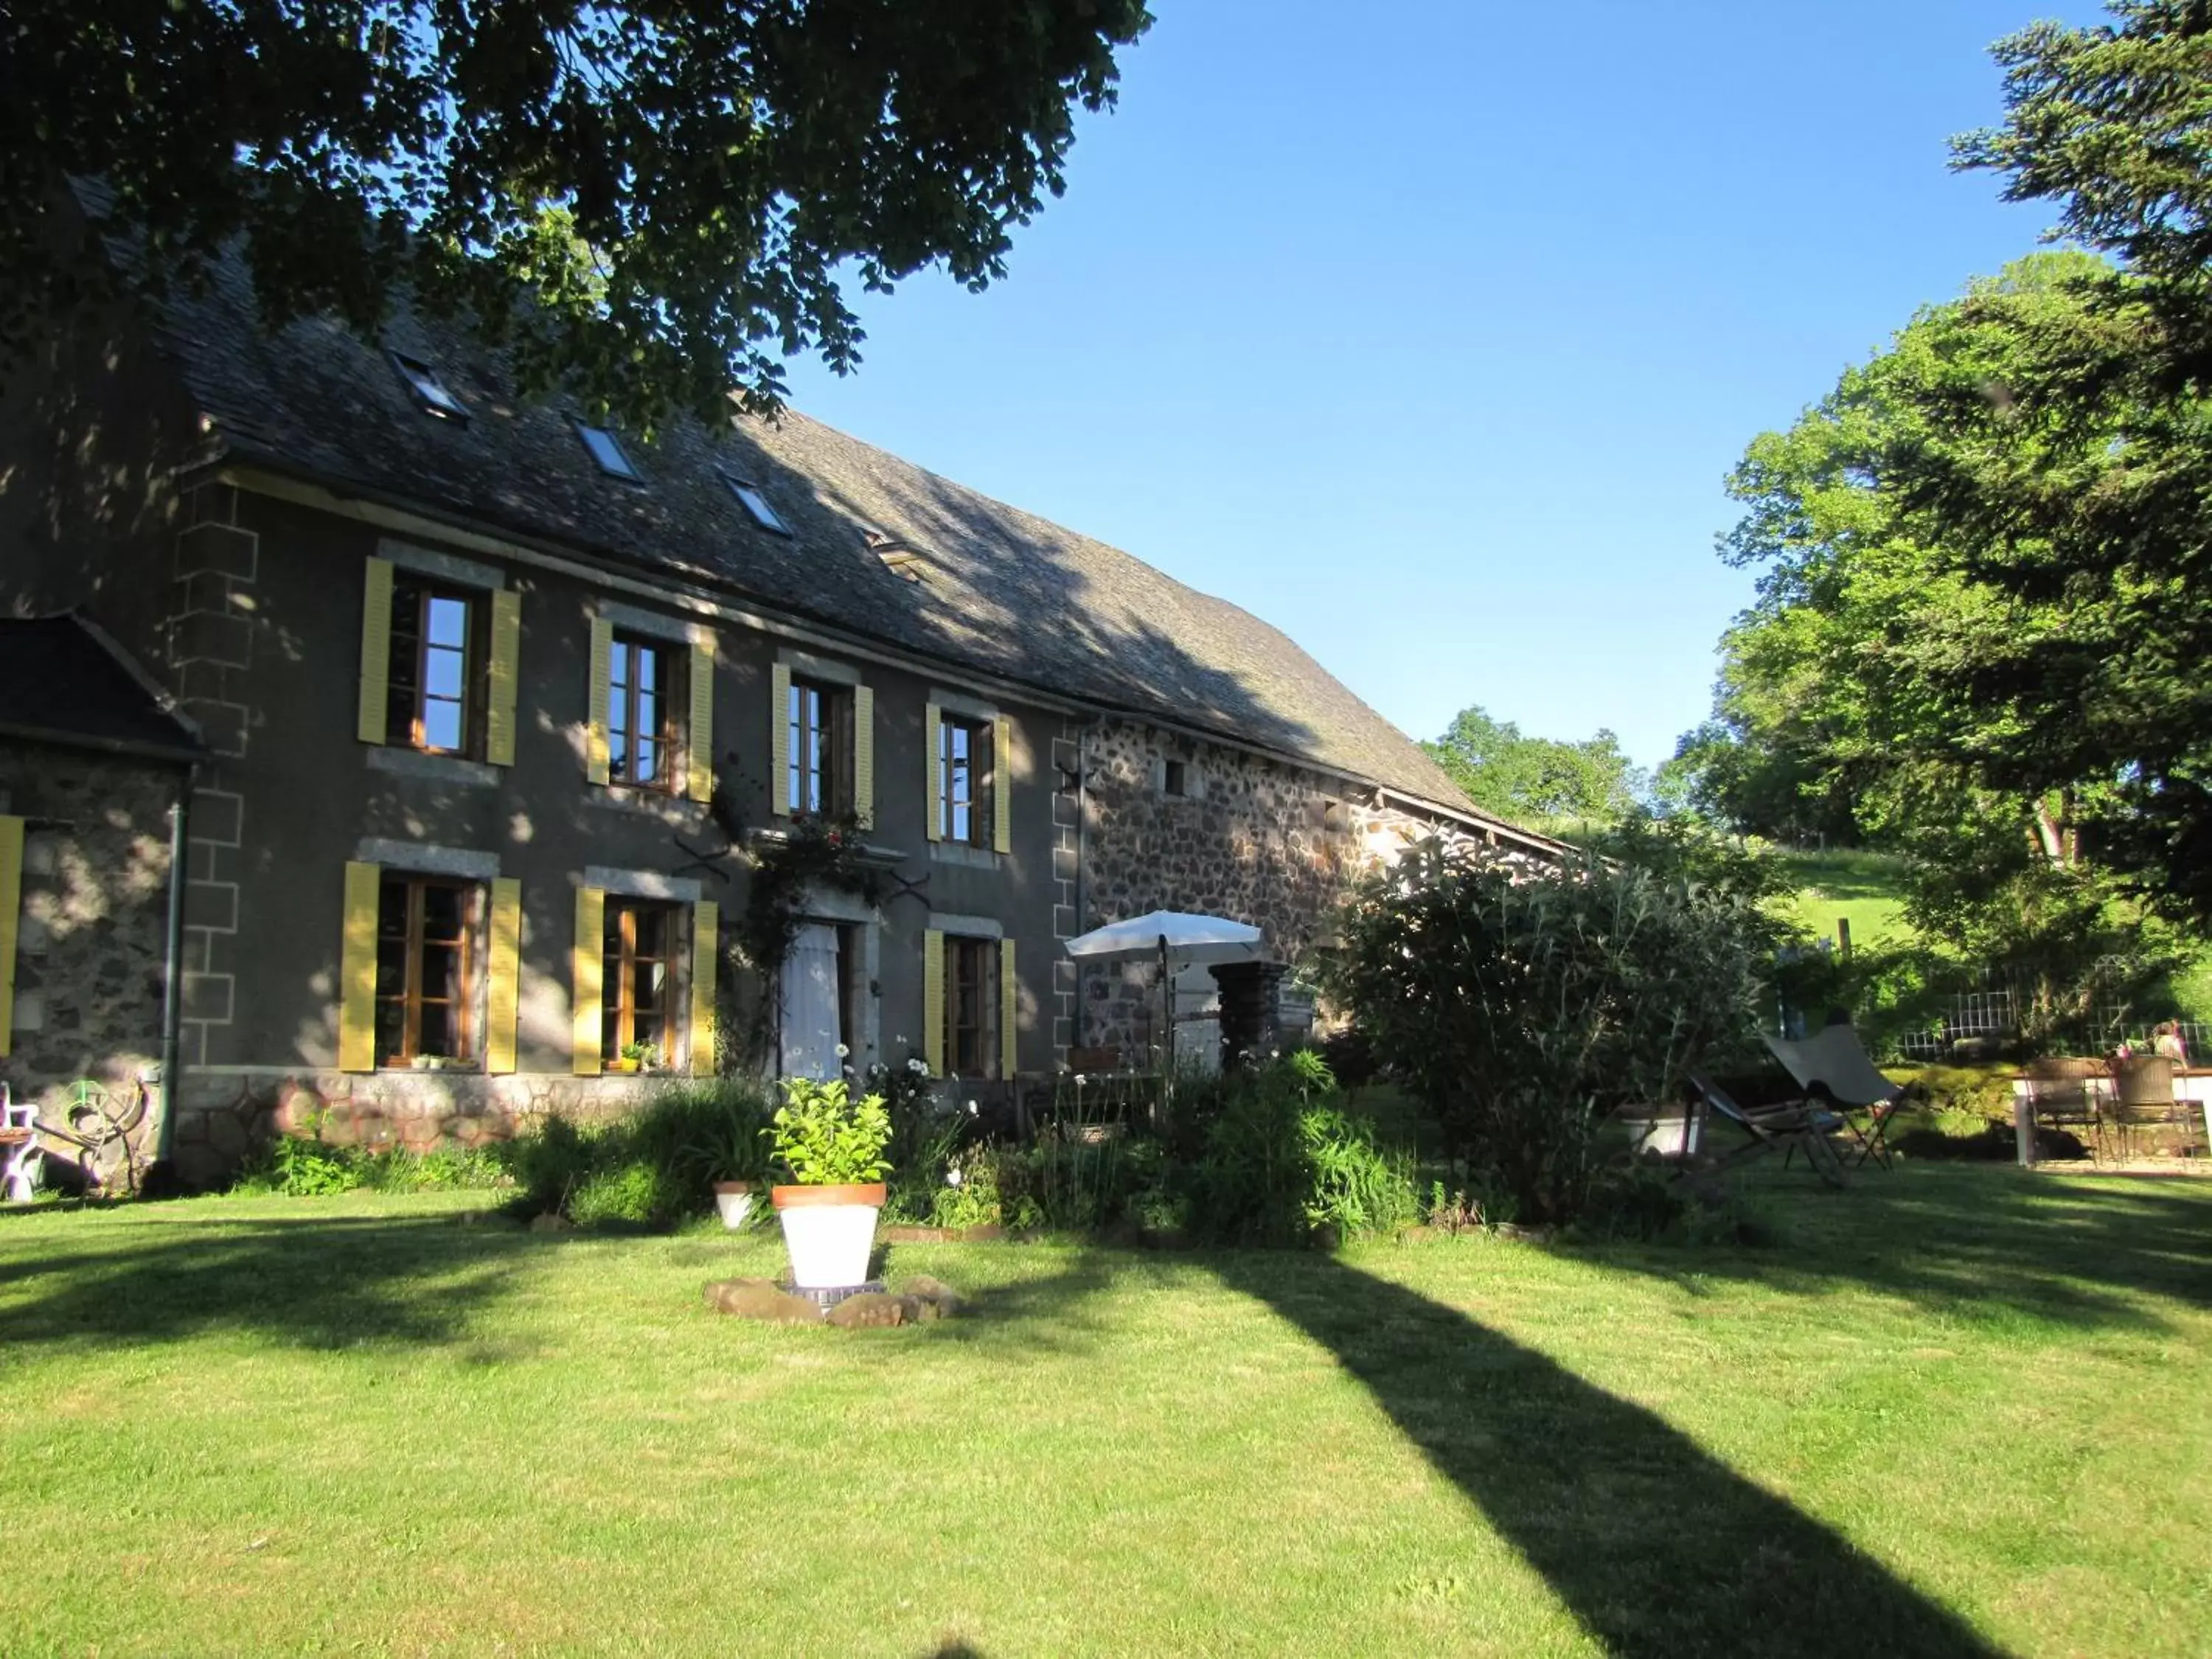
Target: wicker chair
pixel 2143 1099
pixel 2069 1093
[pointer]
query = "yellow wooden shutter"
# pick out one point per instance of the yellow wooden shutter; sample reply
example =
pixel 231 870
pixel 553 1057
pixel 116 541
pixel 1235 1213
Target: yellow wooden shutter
pixel 699 748
pixel 586 969
pixel 505 676
pixel 778 739
pixel 11 908
pixel 706 933
pixel 932 719
pixel 375 650
pixel 1009 1010
pixel 933 1001
pixel 1002 786
pixel 357 969
pixel 504 974
pixel 864 755
pixel 595 711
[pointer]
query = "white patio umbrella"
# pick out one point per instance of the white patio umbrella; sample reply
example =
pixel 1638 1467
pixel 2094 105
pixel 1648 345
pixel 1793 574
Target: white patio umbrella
pixel 1168 936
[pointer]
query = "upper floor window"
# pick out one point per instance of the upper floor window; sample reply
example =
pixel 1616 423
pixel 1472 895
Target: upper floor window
pixel 641 715
pixel 607 449
pixel 963 781
pixel 433 700
pixel 821 748
pixel 756 502
pixel 426 929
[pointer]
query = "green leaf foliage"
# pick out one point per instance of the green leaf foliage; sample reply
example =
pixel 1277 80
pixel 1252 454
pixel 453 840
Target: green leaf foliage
pixel 1520 1005
pixel 1517 776
pixel 653 204
pixel 2003 523
pixel 825 1137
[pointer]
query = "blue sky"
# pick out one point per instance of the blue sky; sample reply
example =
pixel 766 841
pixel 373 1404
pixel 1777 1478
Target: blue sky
pixel 1428 331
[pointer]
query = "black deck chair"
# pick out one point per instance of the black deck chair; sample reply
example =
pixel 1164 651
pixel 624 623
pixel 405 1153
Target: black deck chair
pixel 1834 1068
pixel 1794 1126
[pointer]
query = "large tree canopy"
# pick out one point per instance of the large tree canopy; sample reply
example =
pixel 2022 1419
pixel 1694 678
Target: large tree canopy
pixel 1866 691
pixel 1988 599
pixel 1505 770
pixel 2070 486
pixel 651 200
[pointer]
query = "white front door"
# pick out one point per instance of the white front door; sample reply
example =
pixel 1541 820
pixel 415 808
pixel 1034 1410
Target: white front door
pixel 811 1024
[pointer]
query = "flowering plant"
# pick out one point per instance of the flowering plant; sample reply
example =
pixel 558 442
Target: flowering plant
pixel 826 1138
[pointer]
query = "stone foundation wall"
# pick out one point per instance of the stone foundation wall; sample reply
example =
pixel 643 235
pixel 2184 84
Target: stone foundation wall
pixel 223 1115
pixel 1263 842
pixel 92 929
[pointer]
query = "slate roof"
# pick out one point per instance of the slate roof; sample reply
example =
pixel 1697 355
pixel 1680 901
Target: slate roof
pixel 1007 593
pixel 64 681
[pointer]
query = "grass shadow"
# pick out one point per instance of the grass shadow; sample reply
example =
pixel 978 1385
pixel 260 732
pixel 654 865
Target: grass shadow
pixel 1659 1549
pixel 324 1283
pixel 1977 1242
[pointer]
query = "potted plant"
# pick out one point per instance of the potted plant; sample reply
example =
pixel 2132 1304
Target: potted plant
pixel 734 1156
pixel 632 1057
pixel 833 1147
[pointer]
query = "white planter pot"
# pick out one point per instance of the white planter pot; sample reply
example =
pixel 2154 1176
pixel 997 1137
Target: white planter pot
pixel 829 1231
pixel 734 1199
pixel 1667 1136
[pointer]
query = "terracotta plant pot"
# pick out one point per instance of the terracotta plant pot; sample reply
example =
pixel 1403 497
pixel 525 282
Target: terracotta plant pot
pixel 829 1231
pixel 734 1199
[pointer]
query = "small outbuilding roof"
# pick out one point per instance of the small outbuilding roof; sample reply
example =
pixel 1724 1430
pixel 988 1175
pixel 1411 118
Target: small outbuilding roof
pixel 64 681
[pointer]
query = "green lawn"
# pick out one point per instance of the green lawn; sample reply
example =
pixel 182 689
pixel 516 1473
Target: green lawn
pixel 1966 1410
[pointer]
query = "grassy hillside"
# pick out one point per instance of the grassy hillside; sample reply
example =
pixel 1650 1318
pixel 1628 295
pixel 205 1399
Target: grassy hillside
pixel 1866 888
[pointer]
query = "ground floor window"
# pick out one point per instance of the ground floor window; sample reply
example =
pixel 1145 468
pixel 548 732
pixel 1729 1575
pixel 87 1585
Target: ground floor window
pixel 637 1016
pixel 426 930
pixel 971 1002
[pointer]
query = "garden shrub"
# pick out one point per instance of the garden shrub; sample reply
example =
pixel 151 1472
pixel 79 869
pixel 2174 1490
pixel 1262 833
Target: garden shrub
pixel 550 1163
pixel 301 1166
pixel 658 1165
pixel 1521 1005
pixel 635 1192
pixel 1283 1164
pixel 1982 1093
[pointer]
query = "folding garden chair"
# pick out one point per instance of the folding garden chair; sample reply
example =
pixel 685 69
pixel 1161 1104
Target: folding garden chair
pixel 1834 1068
pixel 1794 1126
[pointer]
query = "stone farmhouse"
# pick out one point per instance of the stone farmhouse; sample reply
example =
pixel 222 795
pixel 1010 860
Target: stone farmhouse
pixel 478 716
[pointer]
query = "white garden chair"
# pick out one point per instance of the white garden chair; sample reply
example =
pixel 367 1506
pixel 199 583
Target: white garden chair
pixel 19 1151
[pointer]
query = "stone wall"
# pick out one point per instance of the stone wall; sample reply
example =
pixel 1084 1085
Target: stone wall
pixel 223 1113
pixel 1254 839
pixel 88 953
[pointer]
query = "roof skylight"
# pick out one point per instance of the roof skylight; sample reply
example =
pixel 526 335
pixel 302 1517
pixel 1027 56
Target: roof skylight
pixel 431 396
pixel 756 503
pixel 898 558
pixel 607 449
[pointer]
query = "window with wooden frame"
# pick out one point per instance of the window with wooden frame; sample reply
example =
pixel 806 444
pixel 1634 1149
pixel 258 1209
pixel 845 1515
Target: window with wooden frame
pixel 426 931
pixel 964 780
pixel 638 982
pixel 819 754
pixel 434 701
pixel 641 714
pixel 971 999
